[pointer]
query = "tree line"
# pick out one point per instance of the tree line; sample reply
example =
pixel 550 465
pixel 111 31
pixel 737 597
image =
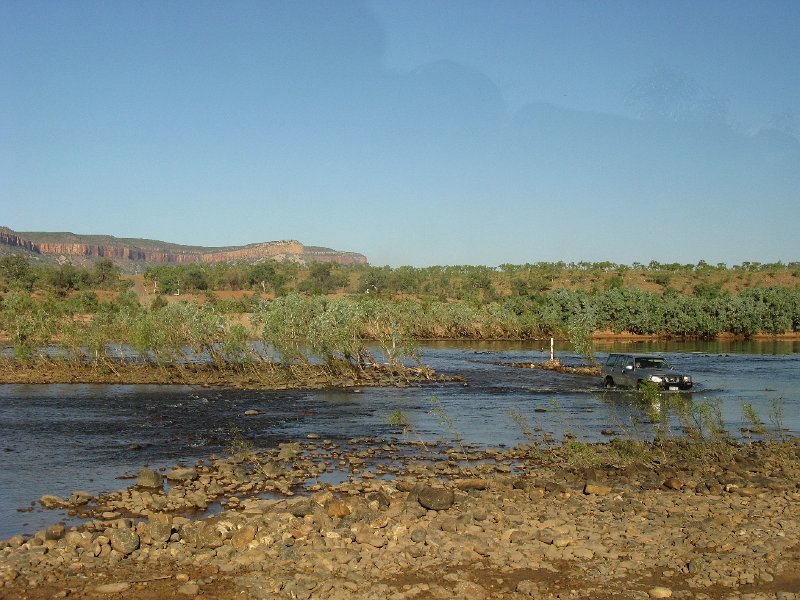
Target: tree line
pixel 361 331
pixel 290 318
pixel 457 282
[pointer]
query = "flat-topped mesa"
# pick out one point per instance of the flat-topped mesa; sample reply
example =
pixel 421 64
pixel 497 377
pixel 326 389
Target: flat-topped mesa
pixel 12 238
pixel 122 250
pixel 255 251
pixel 314 254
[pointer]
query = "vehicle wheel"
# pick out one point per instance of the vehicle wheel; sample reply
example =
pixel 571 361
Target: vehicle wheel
pixel 608 383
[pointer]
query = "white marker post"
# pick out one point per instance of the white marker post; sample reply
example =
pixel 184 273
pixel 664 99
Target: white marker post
pixel 551 349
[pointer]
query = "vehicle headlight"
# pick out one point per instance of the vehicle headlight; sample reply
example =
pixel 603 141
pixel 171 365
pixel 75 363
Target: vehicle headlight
pixel 687 378
pixel 655 378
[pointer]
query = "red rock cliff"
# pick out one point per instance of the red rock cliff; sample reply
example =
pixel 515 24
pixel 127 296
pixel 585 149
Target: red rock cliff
pixel 10 238
pixel 120 252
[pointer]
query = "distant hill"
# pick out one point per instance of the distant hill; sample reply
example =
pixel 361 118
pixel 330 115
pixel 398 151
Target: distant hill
pixel 135 255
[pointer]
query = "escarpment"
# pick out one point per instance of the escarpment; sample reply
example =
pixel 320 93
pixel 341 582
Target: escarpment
pixel 133 254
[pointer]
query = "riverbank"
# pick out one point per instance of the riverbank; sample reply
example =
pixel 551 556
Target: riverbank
pixel 376 518
pixel 272 377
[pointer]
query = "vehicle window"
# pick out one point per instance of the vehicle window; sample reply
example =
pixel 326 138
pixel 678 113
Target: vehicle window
pixel 651 363
pixel 629 361
pixel 611 362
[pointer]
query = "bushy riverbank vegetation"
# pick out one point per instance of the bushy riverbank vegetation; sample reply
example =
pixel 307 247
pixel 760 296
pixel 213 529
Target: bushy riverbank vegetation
pixel 470 283
pixel 336 317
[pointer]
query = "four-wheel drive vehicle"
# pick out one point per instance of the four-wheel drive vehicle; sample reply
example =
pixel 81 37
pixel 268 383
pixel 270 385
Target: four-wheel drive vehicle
pixel 632 370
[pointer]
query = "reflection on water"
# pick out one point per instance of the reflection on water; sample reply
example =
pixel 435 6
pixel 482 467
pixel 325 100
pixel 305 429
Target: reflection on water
pixel 61 438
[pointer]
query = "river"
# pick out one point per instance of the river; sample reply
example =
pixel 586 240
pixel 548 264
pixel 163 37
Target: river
pixel 55 439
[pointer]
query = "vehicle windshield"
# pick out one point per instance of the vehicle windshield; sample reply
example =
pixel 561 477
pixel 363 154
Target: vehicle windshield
pixel 651 363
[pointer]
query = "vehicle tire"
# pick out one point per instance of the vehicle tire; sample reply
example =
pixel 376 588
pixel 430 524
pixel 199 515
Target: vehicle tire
pixel 608 383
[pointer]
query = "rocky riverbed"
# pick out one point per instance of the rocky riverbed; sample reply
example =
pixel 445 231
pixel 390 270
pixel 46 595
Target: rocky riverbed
pixel 273 377
pixel 387 519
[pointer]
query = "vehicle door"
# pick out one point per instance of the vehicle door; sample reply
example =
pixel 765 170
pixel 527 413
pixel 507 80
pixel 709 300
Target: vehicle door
pixel 627 371
pixel 609 367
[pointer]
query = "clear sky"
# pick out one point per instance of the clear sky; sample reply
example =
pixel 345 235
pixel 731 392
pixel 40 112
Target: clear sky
pixel 415 132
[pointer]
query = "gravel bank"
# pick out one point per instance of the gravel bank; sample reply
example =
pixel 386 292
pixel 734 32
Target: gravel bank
pixel 383 519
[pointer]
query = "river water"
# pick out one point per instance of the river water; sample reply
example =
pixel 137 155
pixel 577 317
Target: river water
pixel 55 439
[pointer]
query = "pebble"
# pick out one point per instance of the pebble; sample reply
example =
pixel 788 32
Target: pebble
pixel 112 588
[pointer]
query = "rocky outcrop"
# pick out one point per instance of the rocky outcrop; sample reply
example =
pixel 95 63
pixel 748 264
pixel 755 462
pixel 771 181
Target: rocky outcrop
pixel 121 251
pixel 11 238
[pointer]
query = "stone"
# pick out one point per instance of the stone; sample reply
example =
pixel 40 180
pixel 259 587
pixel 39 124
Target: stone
pixel 468 589
pixel 148 478
pixel 188 589
pixel 471 484
pixel 562 541
pixel 367 537
pixel 182 474
pixel 251 412
pixel 242 538
pixel 337 509
pixel 673 483
pixel 51 501
pixel 80 498
pixel 528 587
pixel 208 536
pixel 435 498
pixel 160 527
pixel 124 540
pixel 55 531
pixel 112 588
pixel 289 450
pixel 659 592
pixel 596 489
pixel 74 539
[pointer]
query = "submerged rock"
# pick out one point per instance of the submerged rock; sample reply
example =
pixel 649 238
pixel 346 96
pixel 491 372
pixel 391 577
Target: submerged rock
pixel 51 501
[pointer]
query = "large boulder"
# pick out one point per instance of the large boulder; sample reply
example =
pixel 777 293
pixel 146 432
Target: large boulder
pixel 338 509
pixel 80 497
pixel 182 474
pixel 242 538
pixel 150 479
pixel 55 532
pixel 202 534
pixel 160 527
pixel 435 497
pixel 51 501
pixel 124 540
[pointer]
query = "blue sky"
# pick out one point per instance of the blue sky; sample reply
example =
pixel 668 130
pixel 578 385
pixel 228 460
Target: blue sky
pixel 448 132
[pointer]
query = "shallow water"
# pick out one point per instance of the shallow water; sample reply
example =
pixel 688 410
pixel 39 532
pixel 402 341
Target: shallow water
pixel 55 439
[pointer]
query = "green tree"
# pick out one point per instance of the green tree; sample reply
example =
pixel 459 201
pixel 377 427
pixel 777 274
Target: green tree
pixel 264 276
pixel 16 271
pixel 105 274
pixel 323 277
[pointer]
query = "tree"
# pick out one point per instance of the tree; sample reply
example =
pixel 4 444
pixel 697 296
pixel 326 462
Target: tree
pixel 322 278
pixel 105 274
pixel 265 275
pixel 16 270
